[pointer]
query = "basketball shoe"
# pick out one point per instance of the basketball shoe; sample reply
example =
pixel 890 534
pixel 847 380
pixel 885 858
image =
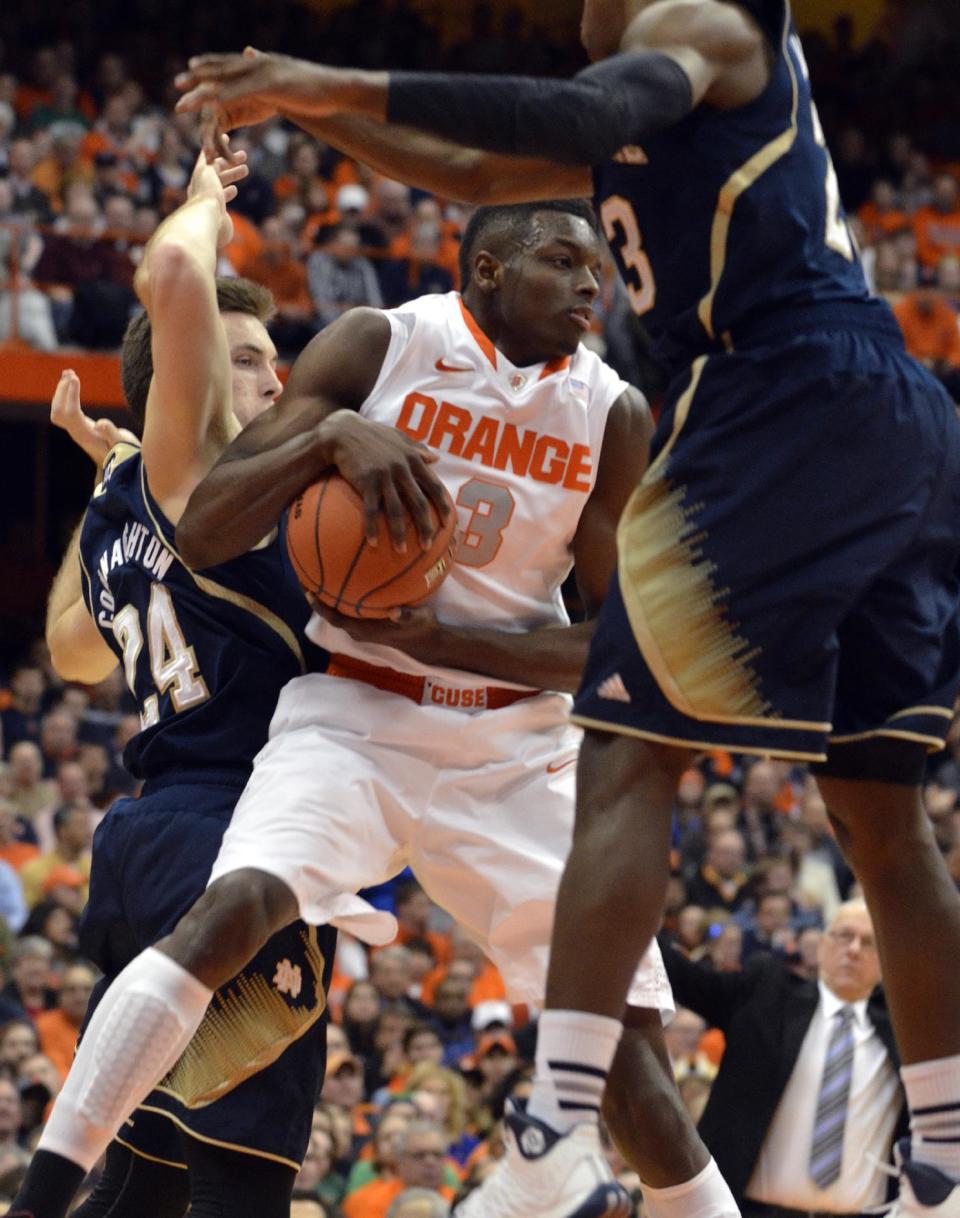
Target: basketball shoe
pixel 925 1191
pixel 549 1175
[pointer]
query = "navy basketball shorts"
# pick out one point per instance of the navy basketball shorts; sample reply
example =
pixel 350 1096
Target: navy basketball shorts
pixel 788 567
pixel 249 1079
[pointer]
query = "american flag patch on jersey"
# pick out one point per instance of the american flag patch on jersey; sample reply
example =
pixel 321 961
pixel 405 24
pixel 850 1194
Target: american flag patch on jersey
pixel 580 389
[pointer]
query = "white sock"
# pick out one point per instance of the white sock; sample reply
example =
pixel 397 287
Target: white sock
pixel 707 1195
pixel 574 1054
pixel 933 1095
pixel 141 1026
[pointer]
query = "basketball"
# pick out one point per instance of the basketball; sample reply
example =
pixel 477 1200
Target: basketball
pixel 330 554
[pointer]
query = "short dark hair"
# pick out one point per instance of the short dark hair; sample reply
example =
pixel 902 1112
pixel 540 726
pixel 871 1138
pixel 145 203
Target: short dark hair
pixel 512 222
pixel 136 357
pixel 415 1030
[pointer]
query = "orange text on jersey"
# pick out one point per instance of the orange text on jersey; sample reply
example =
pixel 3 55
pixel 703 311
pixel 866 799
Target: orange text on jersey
pixel 495 444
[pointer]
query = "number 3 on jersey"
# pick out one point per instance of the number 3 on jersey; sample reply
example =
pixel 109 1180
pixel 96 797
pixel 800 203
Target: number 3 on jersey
pixel 491 509
pixel 620 226
pixel 173 664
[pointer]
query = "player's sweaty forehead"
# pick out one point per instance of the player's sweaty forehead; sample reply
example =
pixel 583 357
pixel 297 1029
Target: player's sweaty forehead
pixel 549 228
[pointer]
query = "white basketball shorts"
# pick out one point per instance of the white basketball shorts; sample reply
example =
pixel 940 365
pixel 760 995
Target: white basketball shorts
pixel 356 783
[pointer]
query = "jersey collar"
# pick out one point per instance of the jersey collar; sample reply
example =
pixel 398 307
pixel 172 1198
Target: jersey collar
pixel 491 353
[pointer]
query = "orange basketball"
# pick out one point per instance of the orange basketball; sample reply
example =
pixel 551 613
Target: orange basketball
pixel 330 554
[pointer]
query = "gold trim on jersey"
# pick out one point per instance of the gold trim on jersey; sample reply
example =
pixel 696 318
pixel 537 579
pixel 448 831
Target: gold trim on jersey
pixel 199 1137
pixel 212 588
pixel 701 664
pixel 680 413
pixel 247 1027
pixel 122 451
pixel 737 184
pixel 617 729
pixel 934 743
pixel 142 1154
pixel 940 711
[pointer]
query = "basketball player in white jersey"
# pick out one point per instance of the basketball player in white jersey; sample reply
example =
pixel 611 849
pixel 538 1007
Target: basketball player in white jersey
pixel 439 741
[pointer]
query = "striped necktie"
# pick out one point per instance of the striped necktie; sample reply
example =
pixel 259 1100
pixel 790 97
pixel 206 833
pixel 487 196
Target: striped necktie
pixel 826 1150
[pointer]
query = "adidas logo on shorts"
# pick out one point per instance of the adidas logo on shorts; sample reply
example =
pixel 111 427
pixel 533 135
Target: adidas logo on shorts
pixel 613 689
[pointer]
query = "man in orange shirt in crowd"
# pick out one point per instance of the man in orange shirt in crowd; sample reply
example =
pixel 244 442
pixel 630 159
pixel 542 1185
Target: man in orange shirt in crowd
pixel 421 1154
pixel 938 226
pixel 882 216
pixel 285 277
pixel 58 1029
pixel 931 333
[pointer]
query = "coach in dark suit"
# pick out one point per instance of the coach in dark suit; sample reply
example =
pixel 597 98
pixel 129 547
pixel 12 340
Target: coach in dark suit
pixel 808 1096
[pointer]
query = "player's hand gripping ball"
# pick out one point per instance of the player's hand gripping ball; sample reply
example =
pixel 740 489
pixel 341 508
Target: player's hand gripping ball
pixel 334 562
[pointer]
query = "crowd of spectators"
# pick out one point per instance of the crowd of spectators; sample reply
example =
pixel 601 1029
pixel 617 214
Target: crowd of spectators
pixel 423 1046
pixel 92 158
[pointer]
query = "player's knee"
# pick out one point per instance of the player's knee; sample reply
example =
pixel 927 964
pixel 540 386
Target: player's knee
pixel 230 923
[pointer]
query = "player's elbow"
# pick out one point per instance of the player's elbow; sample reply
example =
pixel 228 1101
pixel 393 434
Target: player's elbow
pixel 196 541
pixel 168 270
pixel 76 663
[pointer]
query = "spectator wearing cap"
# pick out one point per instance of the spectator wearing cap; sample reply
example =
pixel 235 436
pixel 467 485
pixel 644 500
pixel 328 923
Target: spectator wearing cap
pixel 73 832
pixel 421 1159
pixel 937 226
pixel 341 277
pixel 495 1057
pixel 58 1029
pixel 29 985
pixel 343 1083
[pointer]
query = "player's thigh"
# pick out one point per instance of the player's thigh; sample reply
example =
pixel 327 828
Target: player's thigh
pixel 316 813
pixel 229 1185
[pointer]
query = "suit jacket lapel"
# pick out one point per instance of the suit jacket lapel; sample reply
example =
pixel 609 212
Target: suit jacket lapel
pixel 800 1007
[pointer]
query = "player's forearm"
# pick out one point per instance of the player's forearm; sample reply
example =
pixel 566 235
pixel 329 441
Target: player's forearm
pixel 550 657
pixel 584 121
pixel 67 587
pixel 243 497
pixel 184 244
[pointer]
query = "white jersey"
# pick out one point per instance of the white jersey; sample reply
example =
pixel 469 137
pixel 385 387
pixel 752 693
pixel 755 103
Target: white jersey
pixel 518 451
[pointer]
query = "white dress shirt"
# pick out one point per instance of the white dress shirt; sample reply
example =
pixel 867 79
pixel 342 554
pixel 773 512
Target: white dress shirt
pixel 782 1173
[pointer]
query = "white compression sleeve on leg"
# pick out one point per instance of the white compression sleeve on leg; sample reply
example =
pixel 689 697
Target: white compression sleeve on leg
pixel 142 1025
pixel 707 1195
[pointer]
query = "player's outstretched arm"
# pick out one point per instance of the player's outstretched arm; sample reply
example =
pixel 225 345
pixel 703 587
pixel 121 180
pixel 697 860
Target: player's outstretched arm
pixel 77 649
pixel 550 657
pixel 314 426
pixel 189 411
pixel 674 55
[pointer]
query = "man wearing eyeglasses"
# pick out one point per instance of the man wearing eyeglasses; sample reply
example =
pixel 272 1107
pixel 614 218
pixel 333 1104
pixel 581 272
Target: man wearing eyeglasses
pixel 805 1107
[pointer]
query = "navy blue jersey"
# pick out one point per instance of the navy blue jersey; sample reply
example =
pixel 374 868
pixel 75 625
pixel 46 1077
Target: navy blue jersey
pixel 732 215
pixel 204 654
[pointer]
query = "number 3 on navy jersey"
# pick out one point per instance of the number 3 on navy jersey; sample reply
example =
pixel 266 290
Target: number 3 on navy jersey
pixel 620 226
pixel 173 664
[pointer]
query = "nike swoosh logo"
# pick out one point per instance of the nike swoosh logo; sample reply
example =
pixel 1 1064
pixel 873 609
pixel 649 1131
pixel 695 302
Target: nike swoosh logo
pixel 555 769
pixel 443 366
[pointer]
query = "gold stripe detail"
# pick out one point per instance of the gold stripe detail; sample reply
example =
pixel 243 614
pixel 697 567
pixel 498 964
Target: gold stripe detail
pixel 703 667
pixel 935 743
pixel 737 184
pixel 786 754
pixel 940 711
pixel 246 1028
pixel 680 414
pixel 212 588
pixel 142 1154
pixel 199 1137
